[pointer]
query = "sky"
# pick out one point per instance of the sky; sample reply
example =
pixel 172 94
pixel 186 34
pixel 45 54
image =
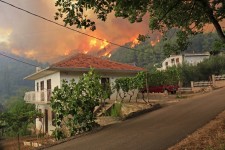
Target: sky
pixel 28 36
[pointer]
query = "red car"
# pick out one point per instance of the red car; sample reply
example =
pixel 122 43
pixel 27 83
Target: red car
pixel 163 88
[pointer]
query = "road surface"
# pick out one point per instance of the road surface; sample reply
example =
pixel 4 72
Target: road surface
pixel 156 130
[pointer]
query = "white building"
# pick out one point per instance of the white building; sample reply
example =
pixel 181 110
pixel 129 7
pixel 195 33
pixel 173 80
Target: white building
pixel 175 60
pixel 72 68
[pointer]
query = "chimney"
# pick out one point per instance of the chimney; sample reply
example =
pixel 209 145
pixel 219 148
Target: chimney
pixel 38 69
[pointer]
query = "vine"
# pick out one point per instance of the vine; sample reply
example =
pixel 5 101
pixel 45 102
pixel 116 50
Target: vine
pixel 127 86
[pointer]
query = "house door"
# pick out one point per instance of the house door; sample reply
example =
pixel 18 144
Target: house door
pixel 46 121
pixel 106 85
pixel 49 91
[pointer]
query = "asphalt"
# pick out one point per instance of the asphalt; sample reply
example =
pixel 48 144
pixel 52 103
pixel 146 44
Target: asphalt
pixel 156 130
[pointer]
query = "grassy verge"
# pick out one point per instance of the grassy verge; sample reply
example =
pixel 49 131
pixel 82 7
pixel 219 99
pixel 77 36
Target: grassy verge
pixel 209 137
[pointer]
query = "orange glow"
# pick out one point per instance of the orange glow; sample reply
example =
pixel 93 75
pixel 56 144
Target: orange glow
pixel 85 52
pixel 106 54
pixel 134 43
pixel 93 43
pixel 153 43
pixel 5 35
pixel 104 44
pixel 67 52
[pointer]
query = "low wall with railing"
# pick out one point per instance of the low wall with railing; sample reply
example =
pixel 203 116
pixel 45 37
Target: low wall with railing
pixel 43 96
pixel 218 80
pixel 201 86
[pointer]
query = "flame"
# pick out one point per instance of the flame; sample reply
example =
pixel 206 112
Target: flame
pixel 85 52
pixel 107 54
pixel 153 43
pixel 67 52
pixel 104 44
pixel 93 43
pixel 134 43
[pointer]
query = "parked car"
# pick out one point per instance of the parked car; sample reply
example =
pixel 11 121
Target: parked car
pixel 162 88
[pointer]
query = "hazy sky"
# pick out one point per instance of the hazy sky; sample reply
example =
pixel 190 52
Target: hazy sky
pixel 26 35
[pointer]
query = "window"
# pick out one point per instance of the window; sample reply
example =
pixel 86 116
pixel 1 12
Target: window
pixel 37 86
pixel 49 84
pixel 166 63
pixel 42 85
pixel 172 61
pixel 177 60
pixel 49 91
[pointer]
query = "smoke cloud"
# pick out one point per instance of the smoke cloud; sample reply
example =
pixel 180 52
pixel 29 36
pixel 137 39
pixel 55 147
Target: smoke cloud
pixel 28 36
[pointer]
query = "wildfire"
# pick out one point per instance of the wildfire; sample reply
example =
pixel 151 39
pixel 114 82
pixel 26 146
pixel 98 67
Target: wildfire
pixel 93 43
pixel 107 54
pixel 104 44
pixel 134 43
pixel 153 43
pixel 67 52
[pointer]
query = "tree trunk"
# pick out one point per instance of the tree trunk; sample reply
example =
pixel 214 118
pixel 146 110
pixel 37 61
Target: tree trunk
pixel 18 139
pixel 214 21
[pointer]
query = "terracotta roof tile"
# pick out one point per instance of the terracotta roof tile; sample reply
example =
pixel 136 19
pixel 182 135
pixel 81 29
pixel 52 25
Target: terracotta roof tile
pixel 87 61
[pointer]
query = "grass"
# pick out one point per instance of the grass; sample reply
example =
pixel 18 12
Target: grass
pixel 116 110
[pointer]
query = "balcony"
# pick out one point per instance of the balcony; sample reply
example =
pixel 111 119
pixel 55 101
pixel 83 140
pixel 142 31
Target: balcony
pixel 40 97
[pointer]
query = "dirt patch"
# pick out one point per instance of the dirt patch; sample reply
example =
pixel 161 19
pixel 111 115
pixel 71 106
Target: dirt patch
pixel 209 137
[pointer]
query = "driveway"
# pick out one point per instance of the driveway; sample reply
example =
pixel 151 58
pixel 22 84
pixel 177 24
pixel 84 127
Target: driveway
pixel 156 130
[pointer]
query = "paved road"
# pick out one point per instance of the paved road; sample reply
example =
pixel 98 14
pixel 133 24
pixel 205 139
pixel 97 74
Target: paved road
pixel 156 130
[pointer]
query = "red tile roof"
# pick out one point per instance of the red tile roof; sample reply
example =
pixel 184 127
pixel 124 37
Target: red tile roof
pixel 87 61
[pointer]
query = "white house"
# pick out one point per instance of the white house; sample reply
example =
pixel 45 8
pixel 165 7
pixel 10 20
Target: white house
pixel 72 68
pixel 175 60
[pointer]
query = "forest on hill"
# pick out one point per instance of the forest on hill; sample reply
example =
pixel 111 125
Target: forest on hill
pixel 12 73
pixel 149 56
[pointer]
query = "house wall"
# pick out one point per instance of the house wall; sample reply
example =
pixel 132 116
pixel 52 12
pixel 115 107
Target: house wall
pixel 50 126
pixel 171 61
pixel 55 81
pixel 194 59
pixel 112 77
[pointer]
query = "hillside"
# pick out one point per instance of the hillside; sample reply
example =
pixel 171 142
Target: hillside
pixel 146 55
pixel 11 75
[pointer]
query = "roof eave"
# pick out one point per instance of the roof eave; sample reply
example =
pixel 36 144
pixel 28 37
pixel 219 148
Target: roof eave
pixel 40 74
pixel 97 69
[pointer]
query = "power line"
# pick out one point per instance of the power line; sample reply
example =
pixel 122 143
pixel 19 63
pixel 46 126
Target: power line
pixel 46 19
pixel 18 60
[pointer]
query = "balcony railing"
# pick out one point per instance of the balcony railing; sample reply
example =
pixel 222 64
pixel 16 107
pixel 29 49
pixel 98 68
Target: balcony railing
pixel 43 96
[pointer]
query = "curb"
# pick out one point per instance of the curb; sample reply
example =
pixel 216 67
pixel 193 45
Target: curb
pixel 69 139
pixel 140 112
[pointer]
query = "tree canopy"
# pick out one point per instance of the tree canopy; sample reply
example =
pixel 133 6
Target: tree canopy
pixel 190 16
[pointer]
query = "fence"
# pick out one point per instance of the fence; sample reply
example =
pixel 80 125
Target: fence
pixel 218 80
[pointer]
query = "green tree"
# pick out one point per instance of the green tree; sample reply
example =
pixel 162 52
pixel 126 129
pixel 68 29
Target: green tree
pixel 190 16
pixel 74 104
pixel 18 116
